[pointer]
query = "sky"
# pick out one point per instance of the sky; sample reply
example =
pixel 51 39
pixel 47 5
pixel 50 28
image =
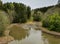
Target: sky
pixel 34 3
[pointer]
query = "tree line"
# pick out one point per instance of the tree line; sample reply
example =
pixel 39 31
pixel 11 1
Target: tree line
pixel 17 12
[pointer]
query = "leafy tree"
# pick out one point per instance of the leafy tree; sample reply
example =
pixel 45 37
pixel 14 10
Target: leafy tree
pixel 21 13
pixel 8 6
pixel 37 17
pixel 1 4
pixel 43 9
pixel 17 12
pixel 28 12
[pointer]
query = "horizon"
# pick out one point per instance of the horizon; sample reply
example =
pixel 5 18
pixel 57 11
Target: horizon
pixel 34 3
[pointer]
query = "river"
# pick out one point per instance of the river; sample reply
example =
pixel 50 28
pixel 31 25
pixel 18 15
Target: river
pixel 35 37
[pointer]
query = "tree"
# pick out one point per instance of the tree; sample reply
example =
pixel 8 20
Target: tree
pixel 8 6
pixel 21 13
pixel 37 17
pixel 58 1
pixel 1 4
pixel 28 12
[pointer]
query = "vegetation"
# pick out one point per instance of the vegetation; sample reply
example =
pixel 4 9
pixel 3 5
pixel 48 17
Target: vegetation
pixel 52 22
pixel 43 9
pixel 4 22
pixel 28 12
pixel 17 12
pixel 20 13
pixel 37 16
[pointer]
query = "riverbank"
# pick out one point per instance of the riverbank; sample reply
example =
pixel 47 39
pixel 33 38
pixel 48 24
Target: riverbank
pixel 43 29
pixel 37 25
pixel 50 38
pixel 6 39
pixel 49 32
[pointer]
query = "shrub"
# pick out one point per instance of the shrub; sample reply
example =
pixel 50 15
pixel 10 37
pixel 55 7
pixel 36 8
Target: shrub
pixel 52 22
pixel 11 14
pixel 4 22
pixel 37 17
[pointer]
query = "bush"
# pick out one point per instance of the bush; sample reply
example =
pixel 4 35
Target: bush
pixel 52 22
pixel 37 17
pixel 11 14
pixel 4 22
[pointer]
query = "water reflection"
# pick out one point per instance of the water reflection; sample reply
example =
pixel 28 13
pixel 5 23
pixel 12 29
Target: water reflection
pixel 35 37
pixel 18 32
pixel 29 35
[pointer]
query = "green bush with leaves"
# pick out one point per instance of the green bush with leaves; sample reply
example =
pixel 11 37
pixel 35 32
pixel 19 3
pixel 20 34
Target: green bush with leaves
pixel 52 22
pixel 11 14
pixel 4 22
pixel 37 17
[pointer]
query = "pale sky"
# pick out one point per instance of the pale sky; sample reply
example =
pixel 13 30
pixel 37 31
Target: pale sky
pixel 34 3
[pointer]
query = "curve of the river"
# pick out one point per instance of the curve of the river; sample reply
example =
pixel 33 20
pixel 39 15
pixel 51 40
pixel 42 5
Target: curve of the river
pixel 35 37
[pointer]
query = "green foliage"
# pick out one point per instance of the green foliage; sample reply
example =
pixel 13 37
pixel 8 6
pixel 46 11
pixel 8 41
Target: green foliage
pixel 1 5
pixel 52 22
pixel 17 12
pixel 37 17
pixel 43 9
pixel 11 14
pixel 4 22
pixel 28 12
pixel 21 13
pixel 7 6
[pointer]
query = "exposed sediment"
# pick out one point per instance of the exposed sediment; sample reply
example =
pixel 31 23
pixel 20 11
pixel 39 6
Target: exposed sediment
pixel 6 39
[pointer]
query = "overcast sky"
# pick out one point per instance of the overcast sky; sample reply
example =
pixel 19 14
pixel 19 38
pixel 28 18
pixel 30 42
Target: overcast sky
pixel 34 3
